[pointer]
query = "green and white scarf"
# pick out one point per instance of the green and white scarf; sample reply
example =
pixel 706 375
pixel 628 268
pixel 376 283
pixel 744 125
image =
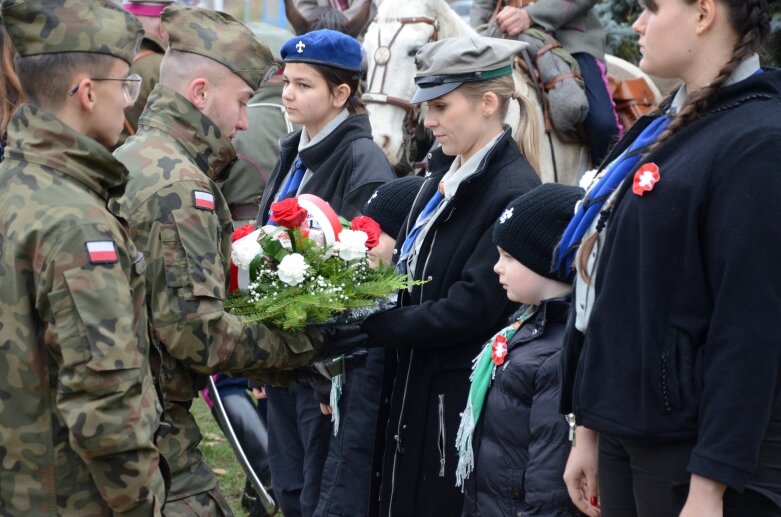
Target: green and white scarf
pixel 483 370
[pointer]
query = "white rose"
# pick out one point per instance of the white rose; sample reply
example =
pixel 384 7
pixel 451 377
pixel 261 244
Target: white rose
pixel 245 250
pixel 351 244
pixel 292 268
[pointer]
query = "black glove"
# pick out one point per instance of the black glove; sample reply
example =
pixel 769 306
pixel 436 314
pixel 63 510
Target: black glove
pixel 340 339
pixel 322 392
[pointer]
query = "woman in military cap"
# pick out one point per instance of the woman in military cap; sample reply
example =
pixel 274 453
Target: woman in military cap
pixel 439 327
pixel 334 157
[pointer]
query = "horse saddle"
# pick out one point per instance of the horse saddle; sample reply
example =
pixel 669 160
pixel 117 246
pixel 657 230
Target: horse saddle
pixel 633 99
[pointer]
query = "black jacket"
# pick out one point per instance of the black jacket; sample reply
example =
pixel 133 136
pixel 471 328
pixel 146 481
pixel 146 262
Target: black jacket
pixel 521 441
pixel 683 341
pixel 347 167
pixel 439 328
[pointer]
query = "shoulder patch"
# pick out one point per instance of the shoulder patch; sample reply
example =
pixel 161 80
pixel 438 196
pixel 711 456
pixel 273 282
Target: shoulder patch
pixel 102 252
pixel 203 200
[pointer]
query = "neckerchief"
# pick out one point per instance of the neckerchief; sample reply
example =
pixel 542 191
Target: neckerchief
pixel 483 370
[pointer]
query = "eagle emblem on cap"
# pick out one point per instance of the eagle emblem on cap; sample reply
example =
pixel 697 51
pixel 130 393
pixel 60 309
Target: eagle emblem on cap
pixel 508 213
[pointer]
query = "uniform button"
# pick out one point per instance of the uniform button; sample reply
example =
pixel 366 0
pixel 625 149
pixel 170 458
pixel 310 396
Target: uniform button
pixel 396 437
pixel 534 331
pixel 429 156
pixel 430 278
pixel 404 426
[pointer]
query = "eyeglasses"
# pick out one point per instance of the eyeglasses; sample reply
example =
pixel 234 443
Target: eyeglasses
pixel 131 86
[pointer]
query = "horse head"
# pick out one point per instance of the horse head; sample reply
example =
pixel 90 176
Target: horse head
pixel 390 44
pixel 328 18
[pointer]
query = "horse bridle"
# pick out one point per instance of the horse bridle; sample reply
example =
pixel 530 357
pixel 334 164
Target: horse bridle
pixel 382 56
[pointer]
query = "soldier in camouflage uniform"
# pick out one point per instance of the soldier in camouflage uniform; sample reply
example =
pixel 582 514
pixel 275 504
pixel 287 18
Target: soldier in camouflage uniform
pixel 149 56
pixel 78 408
pixel 181 220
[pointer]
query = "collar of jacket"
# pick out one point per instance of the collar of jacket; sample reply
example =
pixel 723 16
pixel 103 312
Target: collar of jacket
pixel 169 112
pixel 355 127
pixel 764 86
pixel 555 310
pixel 439 162
pixel 36 136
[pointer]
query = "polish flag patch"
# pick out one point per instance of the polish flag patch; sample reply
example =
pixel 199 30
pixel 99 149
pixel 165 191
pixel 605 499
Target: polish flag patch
pixel 102 252
pixel 203 200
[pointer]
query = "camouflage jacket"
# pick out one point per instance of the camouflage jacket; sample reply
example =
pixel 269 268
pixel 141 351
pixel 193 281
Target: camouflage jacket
pixel 179 218
pixel 78 408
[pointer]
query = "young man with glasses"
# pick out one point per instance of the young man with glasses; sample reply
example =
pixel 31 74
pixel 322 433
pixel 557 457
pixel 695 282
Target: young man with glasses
pixel 78 408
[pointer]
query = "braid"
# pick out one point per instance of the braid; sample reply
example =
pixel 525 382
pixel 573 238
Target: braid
pixel 754 28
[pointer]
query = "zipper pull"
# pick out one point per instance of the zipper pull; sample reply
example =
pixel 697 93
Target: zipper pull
pixel 571 421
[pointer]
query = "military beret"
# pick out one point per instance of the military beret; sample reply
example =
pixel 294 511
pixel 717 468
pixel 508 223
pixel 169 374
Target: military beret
pixel 61 26
pixel 221 37
pixel 324 47
pixel 446 64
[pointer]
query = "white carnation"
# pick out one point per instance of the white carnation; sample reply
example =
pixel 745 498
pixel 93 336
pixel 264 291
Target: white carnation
pixel 351 244
pixel 292 269
pixel 245 250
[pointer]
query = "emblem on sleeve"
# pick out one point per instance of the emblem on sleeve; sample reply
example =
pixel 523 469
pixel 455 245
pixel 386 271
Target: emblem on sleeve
pixel 102 252
pixel 203 200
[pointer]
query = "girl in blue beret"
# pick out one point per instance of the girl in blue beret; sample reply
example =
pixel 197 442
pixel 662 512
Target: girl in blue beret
pixel 334 157
pixel 672 367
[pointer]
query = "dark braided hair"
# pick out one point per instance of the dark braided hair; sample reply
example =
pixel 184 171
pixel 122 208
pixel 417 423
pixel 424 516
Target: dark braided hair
pixel 751 21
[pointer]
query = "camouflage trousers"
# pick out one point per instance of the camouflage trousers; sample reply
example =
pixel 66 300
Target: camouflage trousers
pixel 205 504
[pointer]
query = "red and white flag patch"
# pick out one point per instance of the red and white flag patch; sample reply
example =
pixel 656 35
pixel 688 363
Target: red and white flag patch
pixel 102 252
pixel 203 200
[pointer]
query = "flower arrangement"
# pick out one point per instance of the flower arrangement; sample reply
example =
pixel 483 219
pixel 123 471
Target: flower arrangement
pixel 309 268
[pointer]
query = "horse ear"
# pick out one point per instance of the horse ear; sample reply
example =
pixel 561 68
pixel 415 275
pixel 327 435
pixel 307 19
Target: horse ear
pixel 360 20
pixel 296 19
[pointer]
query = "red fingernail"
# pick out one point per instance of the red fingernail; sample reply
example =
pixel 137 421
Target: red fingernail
pixel 594 501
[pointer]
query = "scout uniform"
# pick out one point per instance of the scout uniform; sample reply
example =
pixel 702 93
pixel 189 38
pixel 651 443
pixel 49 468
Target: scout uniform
pixel 78 409
pixel 179 218
pixel 147 61
pixel 439 327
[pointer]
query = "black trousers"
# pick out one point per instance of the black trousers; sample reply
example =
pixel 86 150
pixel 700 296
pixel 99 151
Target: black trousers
pixel 601 124
pixel 298 438
pixel 638 479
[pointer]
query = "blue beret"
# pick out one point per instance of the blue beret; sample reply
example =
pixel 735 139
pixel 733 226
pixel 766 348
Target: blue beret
pixel 324 47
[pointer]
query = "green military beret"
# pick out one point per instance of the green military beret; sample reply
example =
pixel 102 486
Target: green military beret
pixel 59 26
pixel 221 37
pixel 446 64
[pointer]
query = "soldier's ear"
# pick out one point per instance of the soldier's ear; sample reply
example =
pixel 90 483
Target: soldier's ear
pixel 84 93
pixel 198 92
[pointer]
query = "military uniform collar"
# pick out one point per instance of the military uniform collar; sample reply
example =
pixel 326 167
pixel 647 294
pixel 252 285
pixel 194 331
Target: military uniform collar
pixel 36 136
pixel 171 113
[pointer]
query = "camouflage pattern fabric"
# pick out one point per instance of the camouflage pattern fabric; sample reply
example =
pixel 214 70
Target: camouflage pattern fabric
pixel 59 26
pixel 78 408
pixel 210 503
pixel 179 218
pixel 146 65
pixel 221 37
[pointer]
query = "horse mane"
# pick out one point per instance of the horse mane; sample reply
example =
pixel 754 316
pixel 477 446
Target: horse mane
pixel 450 24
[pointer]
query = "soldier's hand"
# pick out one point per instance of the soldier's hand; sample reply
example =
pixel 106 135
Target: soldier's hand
pixel 340 339
pixel 513 21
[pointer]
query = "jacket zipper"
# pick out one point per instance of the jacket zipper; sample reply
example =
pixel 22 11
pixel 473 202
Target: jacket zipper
pixel 442 438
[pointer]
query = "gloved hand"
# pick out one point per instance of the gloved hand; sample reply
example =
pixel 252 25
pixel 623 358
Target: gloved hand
pixel 339 339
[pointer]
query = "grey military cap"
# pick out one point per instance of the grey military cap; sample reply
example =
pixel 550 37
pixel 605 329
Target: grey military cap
pixel 446 64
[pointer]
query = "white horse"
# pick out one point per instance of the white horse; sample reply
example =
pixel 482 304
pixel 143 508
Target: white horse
pixel 391 41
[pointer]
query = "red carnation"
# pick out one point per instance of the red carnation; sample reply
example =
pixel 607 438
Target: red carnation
pixel 370 227
pixel 288 213
pixel 242 231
